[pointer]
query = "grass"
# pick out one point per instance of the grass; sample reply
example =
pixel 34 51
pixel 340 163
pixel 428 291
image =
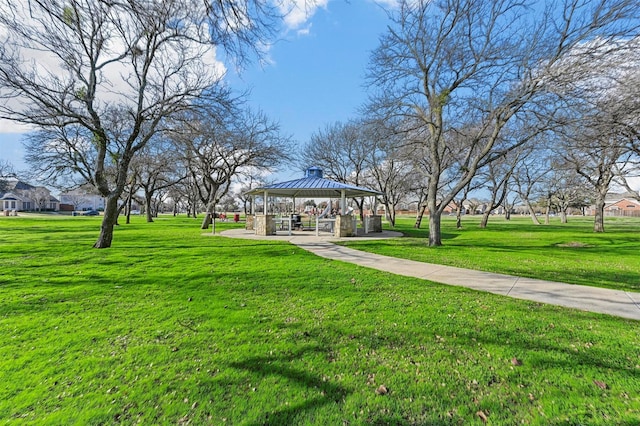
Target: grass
pixel 173 327
pixel 570 253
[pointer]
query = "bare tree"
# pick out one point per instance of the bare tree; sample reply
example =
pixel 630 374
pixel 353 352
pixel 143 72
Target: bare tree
pixel 459 203
pixel 343 151
pixel 41 197
pixel 417 188
pixel 497 177
pixel 624 177
pixel 598 118
pixel 156 169
pixel 594 156
pixel 218 148
pixel 465 69
pixel 76 198
pixel 509 203
pixel 6 171
pixel 185 194
pixel 565 189
pixel 532 165
pixel 248 181
pixel 99 78
pixel 391 176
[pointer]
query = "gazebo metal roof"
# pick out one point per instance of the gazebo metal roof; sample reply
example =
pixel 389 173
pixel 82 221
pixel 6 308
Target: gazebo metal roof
pixel 314 186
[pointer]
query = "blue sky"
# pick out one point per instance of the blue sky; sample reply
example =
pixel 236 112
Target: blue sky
pixel 317 77
pixel 314 75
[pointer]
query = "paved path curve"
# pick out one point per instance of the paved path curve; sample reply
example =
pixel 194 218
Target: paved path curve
pixel 613 302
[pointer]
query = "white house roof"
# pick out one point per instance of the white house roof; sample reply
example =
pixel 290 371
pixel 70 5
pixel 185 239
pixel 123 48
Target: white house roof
pixel 11 196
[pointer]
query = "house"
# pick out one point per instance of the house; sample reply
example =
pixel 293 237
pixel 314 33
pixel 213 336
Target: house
pixel 623 207
pixel 21 196
pixel 83 198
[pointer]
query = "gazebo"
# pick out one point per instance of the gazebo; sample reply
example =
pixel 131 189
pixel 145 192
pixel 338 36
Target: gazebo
pixel 313 185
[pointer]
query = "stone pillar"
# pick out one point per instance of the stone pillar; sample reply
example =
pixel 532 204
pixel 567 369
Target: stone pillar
pixel 374 223
pixel 265 224
pixel 249 223
pixel 344 226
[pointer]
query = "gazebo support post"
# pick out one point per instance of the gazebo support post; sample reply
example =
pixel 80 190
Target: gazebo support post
pixel 250 219
pixel 344 223
pixel 343 226
pixel 265 224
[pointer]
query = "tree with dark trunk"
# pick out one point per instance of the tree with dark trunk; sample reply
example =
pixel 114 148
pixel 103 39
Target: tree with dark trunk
pixel 595 157
pixel 497 178
pixel 216 148
pixel 464 69
pixel 597 117
pixel 156 169
pixel 99 78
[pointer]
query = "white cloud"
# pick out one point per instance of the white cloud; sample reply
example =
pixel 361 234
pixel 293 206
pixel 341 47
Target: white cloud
pixel 8 126
pixel 304 31
pixel 391 4
pixel 298 12
pixel 115 78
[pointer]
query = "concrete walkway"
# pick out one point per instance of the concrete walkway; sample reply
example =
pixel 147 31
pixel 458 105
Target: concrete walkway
pixel 613 302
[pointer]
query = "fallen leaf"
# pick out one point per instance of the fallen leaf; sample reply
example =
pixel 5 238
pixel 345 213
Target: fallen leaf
pixel 516 361
pixel 601 385
pixel 482 415
pixel 382 390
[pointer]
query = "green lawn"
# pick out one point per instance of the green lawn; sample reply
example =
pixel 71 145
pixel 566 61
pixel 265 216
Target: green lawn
pixel 570 253
pixel 170 326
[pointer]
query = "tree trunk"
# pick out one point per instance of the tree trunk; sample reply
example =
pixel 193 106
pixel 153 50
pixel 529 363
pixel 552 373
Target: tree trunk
pixel 147 207
pixel 207 220
pixel 532 213
pixel 435 239
pixel 419 216
pixel 390 214
pixel 128 204
pixel 547 213
pixel 209 216
pixel 109 220
pixel 507 214
pixel 360 204
pixel 598 223
pixel 485 219
pixel 563 216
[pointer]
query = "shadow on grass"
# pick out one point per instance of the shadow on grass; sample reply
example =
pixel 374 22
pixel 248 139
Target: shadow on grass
pixel 263 366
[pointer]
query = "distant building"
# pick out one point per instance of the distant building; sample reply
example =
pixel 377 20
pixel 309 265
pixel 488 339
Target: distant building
pixel 623 207
pixel 21 196
pixel 81 199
